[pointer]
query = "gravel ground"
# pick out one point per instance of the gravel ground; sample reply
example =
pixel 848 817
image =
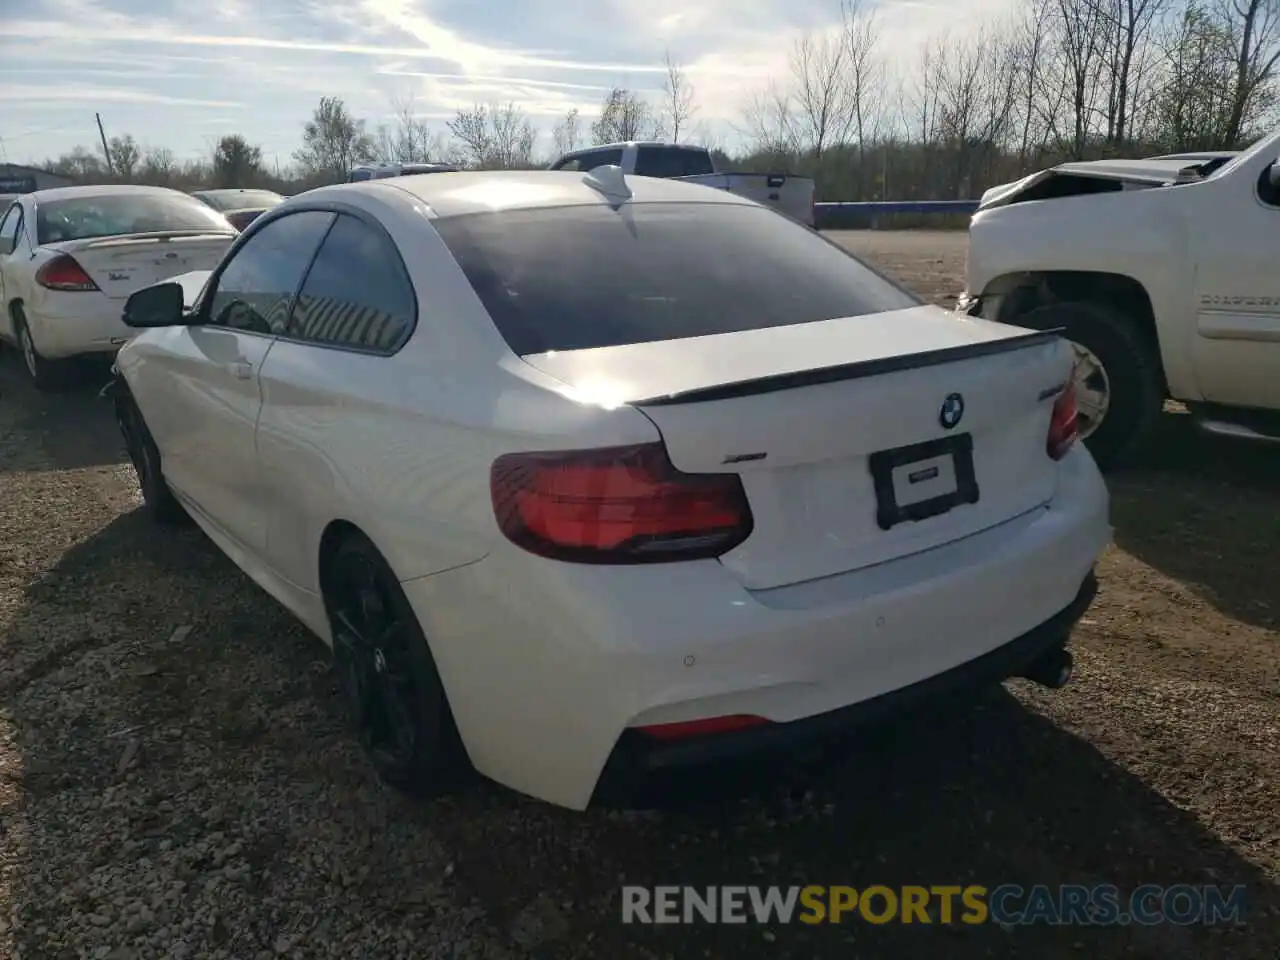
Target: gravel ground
pixel 176 781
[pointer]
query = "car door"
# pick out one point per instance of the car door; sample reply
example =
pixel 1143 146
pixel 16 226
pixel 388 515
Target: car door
pixel 1236 347
pixel 208 393
pixel 10 233
pixel 357 307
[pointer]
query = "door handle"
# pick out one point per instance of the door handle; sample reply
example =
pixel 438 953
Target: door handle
pixel 241 371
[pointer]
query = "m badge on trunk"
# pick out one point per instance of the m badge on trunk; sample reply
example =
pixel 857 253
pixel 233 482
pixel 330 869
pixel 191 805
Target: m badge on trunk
pixel 952 411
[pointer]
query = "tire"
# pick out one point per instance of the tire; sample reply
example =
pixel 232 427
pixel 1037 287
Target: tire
pixel 394 696
pixel 1131 370
pixel 46 375
pixel 161 506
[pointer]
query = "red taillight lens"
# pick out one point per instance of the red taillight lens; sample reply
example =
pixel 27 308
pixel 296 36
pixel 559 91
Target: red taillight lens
pixel 701 728
pixel 616 505
pixel 1063 428
pixel 63 273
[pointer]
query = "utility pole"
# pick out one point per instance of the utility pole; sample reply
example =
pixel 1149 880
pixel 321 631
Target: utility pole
pixel 106 151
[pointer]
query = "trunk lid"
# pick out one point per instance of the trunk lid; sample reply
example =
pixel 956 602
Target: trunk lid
pixel 123 264
pixel 837 429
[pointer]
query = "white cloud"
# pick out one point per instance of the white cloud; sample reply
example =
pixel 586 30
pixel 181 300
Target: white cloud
pixel 279 56
pixel 82 94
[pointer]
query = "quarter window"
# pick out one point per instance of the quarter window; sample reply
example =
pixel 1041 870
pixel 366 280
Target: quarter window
pixel 357 293
pixel 257 287
pixel 10 229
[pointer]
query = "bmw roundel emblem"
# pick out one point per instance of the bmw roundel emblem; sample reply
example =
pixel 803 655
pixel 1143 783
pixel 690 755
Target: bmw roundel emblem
pixel 952 411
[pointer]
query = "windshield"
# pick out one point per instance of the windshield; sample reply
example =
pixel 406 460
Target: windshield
pixel 240 199
pixel 571 278
pixel 110 215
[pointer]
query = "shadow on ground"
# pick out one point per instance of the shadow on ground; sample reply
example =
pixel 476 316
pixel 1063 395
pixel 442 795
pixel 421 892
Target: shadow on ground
pixel 1206 511
pixel 69 429
pixel 238 734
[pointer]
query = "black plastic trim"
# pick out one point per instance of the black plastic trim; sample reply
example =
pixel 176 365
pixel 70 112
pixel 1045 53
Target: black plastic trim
pixel 853 371
pixel 636 756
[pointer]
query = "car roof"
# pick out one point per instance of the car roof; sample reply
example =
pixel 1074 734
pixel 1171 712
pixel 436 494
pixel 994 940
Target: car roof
pixel 212 191
pixel 457 194
pixel 100 190
pixel 624 144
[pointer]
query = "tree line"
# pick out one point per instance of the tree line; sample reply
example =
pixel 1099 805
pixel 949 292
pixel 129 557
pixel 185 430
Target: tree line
pixel 1055 80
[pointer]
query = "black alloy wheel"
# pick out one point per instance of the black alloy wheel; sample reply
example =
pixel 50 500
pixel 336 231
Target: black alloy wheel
pixel 387 675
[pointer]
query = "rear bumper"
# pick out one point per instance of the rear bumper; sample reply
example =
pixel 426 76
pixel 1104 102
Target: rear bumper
pixel 637 756
pixel 549 666
pixel 64 330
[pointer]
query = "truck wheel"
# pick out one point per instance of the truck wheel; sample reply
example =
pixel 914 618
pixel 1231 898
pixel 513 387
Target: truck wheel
pixel 1117 379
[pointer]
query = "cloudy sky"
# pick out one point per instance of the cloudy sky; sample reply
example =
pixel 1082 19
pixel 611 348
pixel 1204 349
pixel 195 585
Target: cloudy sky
pixel 179 74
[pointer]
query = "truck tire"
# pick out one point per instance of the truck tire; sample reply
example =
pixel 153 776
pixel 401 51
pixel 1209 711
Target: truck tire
pixel 1129 375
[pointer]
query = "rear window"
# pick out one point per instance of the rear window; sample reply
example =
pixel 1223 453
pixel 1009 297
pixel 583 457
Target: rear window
pixel 571 278
pixel 242 200
pixel 111 215
pixel 672 162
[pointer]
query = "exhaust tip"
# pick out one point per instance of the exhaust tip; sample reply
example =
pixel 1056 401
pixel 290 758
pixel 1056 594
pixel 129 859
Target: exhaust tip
pixel 1054 670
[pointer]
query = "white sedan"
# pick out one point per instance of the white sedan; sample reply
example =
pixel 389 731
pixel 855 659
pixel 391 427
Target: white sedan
pixel 585 477
pixel 70 257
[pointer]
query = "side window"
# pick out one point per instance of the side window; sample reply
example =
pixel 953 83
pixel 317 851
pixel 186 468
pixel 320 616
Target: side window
pixel 600 158
pixel 357 293
pixel 256 288
pixel 10 229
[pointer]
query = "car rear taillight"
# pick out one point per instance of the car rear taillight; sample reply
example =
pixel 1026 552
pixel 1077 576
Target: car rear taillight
pixel 1063 429
pixel 616 505
pixel 64 273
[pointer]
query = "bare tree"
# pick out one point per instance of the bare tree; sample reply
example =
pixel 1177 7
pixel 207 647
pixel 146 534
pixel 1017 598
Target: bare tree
pixel 333 141
pixel 678 91
pixel 822 104
pixel 494 137
pixel 1255 24
pixel 625 115
pixel 410 140
pixel 566 135
pixel 861 32
pixel 768 120
pixel 158 167
pixel 125 155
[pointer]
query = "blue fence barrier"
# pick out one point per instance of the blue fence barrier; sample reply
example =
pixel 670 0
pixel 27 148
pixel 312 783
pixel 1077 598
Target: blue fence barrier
pixel 834 216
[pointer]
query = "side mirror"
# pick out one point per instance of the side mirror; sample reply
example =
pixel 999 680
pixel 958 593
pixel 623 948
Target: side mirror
pixel 159 306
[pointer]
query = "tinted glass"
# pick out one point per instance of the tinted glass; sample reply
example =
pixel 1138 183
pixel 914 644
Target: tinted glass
pixel 569 278
pixel 255 290
pixel 357 293
pixel 241 199
pixel 589 161
pixel 672 162
pixel 110 215
pixel 9 225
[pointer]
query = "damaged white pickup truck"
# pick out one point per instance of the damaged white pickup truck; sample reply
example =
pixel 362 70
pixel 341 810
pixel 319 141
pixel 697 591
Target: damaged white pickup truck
pixel 1163 273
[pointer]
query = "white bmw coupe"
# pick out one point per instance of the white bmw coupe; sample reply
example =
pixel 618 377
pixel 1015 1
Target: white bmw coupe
pixel 584 477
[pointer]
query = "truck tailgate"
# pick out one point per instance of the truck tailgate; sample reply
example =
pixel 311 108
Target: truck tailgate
pixel 784 192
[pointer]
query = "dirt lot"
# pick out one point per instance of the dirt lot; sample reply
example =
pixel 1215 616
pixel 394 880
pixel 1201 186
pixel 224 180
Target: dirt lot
pixel 175 780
